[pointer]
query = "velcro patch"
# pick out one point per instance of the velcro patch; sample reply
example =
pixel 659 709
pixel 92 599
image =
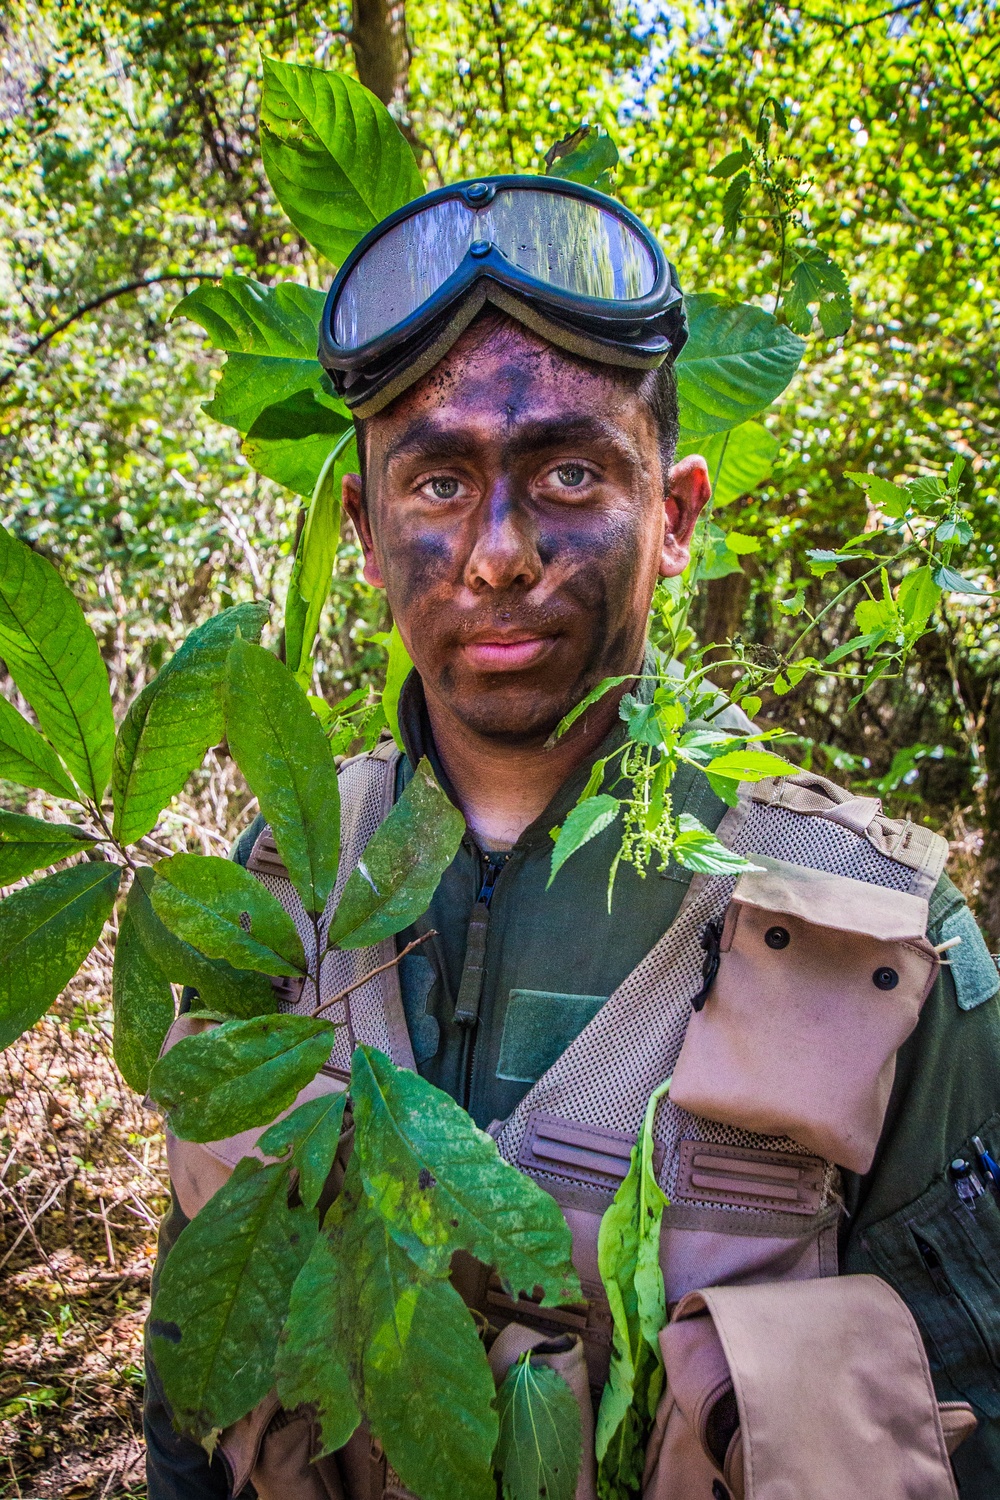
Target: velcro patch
pixel 973 967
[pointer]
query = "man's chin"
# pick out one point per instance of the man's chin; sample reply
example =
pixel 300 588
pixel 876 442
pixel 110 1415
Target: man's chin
pixel 507 716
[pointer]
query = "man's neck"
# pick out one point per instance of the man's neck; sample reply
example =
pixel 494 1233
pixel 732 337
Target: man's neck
pixel 502 788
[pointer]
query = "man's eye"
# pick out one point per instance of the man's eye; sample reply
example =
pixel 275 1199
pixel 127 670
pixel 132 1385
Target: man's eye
pixel 571 475
pixel 443 488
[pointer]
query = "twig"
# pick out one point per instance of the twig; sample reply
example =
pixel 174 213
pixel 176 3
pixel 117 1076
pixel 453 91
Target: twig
pixel 107 1236
pixel 36 1215
pixel 359 983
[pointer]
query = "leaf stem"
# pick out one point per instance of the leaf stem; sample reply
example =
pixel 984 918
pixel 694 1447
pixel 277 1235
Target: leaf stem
pixel 358 983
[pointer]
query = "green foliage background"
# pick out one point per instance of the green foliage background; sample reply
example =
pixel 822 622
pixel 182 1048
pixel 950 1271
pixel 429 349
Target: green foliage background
pixel 129 154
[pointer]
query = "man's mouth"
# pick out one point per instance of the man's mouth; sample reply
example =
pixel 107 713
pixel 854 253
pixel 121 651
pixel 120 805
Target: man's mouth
pixel 506 650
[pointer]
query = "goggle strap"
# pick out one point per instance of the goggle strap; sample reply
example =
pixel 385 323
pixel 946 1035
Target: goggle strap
pixel 483 291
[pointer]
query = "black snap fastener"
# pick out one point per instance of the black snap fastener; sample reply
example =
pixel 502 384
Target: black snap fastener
pixel 777 937
pixel 885 979
pixel 479 248
pixel 719 1491
pixel 478 192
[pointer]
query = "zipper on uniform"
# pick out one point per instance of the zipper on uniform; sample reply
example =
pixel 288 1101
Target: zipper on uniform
pixel 470 987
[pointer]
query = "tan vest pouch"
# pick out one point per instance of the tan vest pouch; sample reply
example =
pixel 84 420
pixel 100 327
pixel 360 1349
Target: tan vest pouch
pixel 800 1389
pixel 820 980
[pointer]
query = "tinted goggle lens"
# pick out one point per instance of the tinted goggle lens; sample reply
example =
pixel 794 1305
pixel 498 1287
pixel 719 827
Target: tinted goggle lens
pixel 561 241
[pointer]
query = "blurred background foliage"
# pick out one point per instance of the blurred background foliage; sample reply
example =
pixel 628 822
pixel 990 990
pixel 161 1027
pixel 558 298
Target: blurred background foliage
pixel 130 167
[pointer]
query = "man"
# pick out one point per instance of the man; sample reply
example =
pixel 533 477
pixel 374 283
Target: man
pixel 517 501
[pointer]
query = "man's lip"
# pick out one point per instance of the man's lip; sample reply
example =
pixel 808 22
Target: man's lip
pixel 507 650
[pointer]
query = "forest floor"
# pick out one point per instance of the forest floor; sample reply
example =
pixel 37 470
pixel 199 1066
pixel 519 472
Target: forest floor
pixel 83 1185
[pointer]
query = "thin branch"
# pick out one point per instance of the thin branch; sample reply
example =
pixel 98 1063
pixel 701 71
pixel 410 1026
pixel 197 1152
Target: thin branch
pixel 358 983
pixel 93 305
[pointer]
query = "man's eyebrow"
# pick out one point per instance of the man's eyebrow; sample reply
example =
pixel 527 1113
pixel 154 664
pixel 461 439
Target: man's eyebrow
pixel 428 438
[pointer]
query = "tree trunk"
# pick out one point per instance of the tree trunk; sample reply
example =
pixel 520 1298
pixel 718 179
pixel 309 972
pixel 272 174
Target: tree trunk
pixel 725 601
pixel 381 48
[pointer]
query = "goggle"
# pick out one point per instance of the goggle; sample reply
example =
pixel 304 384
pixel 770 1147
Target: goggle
pixel 563 259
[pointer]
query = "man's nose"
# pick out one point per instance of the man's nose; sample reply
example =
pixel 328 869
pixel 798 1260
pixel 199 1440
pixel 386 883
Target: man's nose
pixel 505 551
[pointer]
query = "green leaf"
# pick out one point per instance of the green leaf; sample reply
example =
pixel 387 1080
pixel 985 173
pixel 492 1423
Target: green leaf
pixel 313 1133
pixel 174 720
pixel 440 1184
pixel 46 931
pixel 954 530
pixel 818 281
pixel 369 1333
pixel 397 669
pixel 737 360
pixel 628 1247
pixel 890 498
pixel 582 823
pixel 28 844
pixel 729 164
pixel 696 848
pixel 252 383
pixel 857 643
pixel 594 696
pixel 925 489
pixel 235 992
pixel 280 747
pixel 750 765
pixel 401 865
pixel 742 544
pixel 291 441
pixel 223 1297
pixel 333 154
pixel 52 655
pixel 918 594
pixel 732 201
pixel 143 1006
pixel 240 1074
pixel 27 759
pixel 539 1446
pixel 955 583
pixel 586 155
pixel 316 558
pixel 204 900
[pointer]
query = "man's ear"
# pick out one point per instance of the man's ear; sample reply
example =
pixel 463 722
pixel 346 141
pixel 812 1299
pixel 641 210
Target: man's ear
pixel 353 501
pixel 688 491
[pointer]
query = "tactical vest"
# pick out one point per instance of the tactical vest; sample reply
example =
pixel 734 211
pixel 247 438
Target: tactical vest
pixel 806 975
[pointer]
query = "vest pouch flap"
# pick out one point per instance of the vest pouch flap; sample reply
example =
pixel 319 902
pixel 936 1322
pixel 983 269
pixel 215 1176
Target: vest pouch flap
pixel 820 980
pixel 831 1388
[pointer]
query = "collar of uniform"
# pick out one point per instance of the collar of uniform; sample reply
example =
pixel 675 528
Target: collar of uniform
pixel 418 741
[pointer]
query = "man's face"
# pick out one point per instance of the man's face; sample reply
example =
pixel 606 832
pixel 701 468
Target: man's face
pixel 517 516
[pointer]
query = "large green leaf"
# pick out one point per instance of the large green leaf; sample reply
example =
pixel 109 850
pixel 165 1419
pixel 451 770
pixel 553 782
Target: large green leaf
pixel 291 441
pixel 441 1185
pixel 581 824
pixel 539 1446
pixel 271 334
pixel 224 1295
pixel 819 280
pixel 236 992
pixel 737 460
pixel 628 1251
pixel 401 865
pixel 143 1006
pixel 27 759
pixel 46 931
pixel 587 155
pixel 313 1133
pixel 369 1333
pixel 205 900
pixel 316 558
pixel 52 654
pixel 28 844
pixel 737 360
pixel 240 1074
pixel 282 751
pixel 333 154
pixel 174 720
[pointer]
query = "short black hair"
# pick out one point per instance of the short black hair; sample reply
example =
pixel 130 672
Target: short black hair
pixel 657 389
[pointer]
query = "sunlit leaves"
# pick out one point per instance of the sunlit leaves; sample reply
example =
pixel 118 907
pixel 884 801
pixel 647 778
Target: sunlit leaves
pixel 223 1297
pixel 143 1005
pixel 316 556
pixel 311 1132
pixel 440 1184
pixel 333 154
pixel 52 655
pixel 27 759
pixel 737 360
pixel 174 720
pixel 401 864
pixel 46 931
pixel 539 1446
pixel 738 460
pixel 584 822
pixel 282 751
pixel 587 155
pixel 28 844
pixel 818 282
pixel 240 1074
pixel 291 440
pixel 225 912
pixel 698 849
